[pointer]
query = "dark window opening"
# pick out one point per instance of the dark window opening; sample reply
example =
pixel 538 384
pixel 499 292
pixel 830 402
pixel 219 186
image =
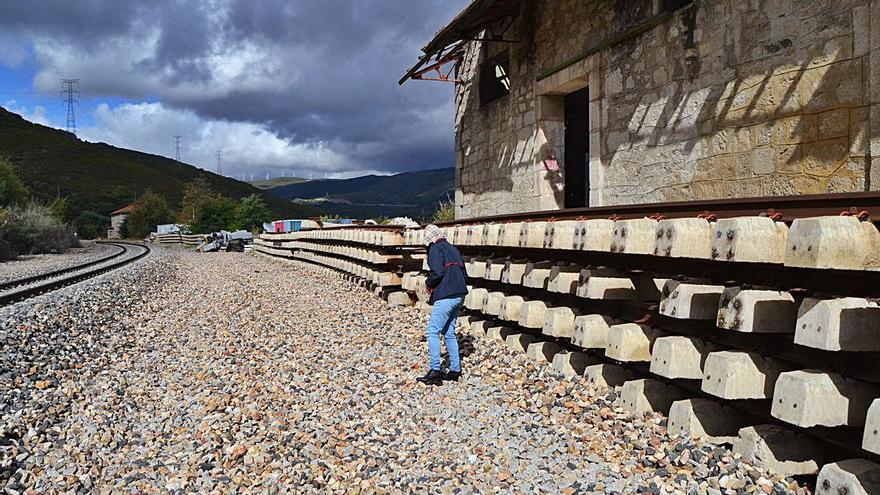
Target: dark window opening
pixel 494 79
pixel 673 5
pixel 577 149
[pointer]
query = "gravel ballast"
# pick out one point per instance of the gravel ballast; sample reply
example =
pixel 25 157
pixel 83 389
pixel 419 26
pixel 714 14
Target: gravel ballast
pixel 38 264
pixel 233 373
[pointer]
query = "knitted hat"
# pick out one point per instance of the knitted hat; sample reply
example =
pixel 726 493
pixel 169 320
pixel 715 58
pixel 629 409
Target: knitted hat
pixel 432 234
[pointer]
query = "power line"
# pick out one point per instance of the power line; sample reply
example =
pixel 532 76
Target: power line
pixel 70 94
pixel 219 162
pixel 177 147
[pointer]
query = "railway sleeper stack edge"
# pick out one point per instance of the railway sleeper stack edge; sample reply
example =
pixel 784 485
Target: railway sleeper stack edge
pixel 757 331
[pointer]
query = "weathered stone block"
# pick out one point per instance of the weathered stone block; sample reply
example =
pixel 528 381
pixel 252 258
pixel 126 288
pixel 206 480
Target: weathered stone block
pixel 845 324
pixel 740 375
pixel 631 342
pixel 689 301
pixel 675 356
pixel 706 419
pixel 646 395
pixel 837 242
pixel 635 236
pixel 749 239
pixel 511 307
pixel 559 322
pixel 592 331
pixel 543 351
pixel 531 314
pixel 684 238
pixel 594 235
pixel 849 477
pixel 816 398
pixel 782 450
pixel 757 311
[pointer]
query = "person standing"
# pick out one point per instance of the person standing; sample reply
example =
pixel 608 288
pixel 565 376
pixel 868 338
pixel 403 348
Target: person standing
pixel 446 283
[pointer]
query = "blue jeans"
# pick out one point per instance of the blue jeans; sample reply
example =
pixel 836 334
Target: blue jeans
pixel 443 317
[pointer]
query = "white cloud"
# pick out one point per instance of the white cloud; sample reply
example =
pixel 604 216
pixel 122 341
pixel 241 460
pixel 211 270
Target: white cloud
pixel 37 115
pixel 247 148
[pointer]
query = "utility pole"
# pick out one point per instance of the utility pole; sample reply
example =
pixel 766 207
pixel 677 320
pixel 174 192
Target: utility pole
pixel 177 147
pixel 219 162
pixel 70 94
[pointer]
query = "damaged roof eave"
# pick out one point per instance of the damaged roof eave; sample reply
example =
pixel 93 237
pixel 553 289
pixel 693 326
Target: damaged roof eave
pixel 466 25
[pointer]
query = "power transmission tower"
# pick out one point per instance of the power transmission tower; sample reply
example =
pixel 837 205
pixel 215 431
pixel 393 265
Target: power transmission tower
pixel 70 94
pixel 219 162
pixel 177 147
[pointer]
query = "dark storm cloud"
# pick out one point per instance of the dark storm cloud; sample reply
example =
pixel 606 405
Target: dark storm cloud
pixel 313 71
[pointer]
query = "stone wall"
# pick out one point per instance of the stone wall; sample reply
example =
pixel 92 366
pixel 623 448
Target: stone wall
pixel 725 98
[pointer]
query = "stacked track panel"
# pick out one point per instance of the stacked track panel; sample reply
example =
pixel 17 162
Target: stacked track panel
pixel 749 330
pixel 376 257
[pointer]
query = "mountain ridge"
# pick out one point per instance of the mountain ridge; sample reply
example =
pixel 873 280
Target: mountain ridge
pixel 99 178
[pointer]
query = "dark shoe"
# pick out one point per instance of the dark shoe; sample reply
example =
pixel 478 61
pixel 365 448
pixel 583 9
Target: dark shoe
pixel 433 377
pixel 452 376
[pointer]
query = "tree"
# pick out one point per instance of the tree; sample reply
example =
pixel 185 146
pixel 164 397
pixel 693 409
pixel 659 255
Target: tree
pixel 196 195
pixel 218 213
pixel 59 208
pixel 251 212
pixel 12 190
pixel 148 211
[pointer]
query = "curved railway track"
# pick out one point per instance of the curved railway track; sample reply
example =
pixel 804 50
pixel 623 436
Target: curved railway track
pixel 27 287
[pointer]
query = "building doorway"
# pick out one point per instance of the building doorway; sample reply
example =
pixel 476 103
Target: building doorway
pixel 577 148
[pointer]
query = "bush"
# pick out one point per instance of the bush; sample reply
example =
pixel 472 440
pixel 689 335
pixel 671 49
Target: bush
pixel 12 190
pixel 92 225
pixel 251 212
pixel 445 212
pixel 149 210
pixel 33 229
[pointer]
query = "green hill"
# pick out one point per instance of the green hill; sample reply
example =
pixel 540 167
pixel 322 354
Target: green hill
pixel 97 178
pixel 276 182
pixel 413 194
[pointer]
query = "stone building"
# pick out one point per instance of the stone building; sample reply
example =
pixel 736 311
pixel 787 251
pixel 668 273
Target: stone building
pixel 117 218
pixel 565 103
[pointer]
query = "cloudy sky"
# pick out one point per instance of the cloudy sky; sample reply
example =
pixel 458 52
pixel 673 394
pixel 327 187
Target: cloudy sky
pixel 280 86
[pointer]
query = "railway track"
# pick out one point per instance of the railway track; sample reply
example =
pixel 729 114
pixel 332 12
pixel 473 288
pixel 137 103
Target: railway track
pixel 752 322
pixel 27 287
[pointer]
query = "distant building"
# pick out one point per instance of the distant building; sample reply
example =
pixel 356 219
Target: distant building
pixel 116 219
pixel 571 103
pixel 171 228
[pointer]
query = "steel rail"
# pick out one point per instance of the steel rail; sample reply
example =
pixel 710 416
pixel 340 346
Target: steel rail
pixel 5 286
pixel 31 291
pixel 790 207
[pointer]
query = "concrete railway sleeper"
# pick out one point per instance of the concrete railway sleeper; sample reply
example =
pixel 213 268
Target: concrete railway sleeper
pixel 753 331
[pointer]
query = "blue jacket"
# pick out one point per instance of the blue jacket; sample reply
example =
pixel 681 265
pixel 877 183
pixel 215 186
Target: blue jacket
pixel 447 275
